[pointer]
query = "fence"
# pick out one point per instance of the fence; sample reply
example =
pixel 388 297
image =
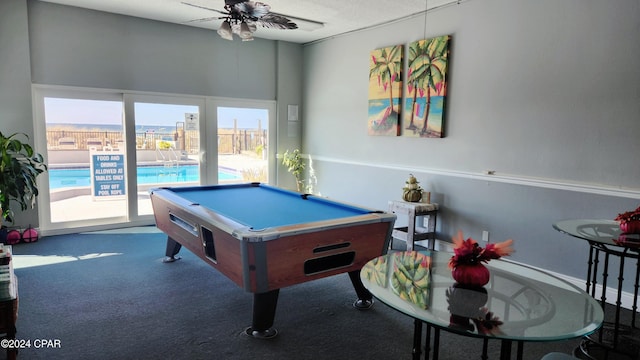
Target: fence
pixel 230 141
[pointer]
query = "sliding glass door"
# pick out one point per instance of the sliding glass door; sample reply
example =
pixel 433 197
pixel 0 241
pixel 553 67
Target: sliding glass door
pixel 105 150
pixel 86 180
pixel 244 145
pixel 166 134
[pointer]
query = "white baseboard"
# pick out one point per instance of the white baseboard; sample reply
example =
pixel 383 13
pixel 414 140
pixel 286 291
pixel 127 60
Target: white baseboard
pixel 626 299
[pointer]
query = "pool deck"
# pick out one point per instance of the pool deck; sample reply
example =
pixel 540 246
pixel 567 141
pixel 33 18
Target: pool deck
pixel 84 207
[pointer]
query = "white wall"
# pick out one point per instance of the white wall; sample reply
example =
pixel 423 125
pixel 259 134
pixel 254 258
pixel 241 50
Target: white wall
pixel 546 93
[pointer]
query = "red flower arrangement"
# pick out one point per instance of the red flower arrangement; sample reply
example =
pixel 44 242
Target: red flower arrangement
pixel 466 263
pixel 629 221
pixel 629 216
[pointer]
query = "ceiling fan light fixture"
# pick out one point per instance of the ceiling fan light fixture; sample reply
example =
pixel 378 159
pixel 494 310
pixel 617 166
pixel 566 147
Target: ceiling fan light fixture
pixel 245 31
pixel 242 16
pixel 225 31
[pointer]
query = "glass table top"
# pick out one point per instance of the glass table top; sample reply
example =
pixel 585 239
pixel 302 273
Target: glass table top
pixel 518 303
pixel 606 232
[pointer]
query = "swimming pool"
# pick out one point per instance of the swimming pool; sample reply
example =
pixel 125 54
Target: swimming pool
pixel 78 177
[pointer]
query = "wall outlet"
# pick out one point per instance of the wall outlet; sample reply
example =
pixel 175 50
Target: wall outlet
pixel 485 235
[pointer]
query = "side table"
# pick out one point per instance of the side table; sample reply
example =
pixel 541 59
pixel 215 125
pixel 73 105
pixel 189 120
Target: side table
pixel 415 230
pixel 618 340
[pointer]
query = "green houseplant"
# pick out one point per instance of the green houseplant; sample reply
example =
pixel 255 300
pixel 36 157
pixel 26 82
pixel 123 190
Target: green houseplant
pixel 295 165
pixel 19 167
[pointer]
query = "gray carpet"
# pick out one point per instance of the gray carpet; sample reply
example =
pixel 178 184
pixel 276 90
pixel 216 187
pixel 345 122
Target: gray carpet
pixel 108 295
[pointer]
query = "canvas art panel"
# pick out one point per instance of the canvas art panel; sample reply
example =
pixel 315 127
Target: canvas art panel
pixel 426 87
pixel 385 91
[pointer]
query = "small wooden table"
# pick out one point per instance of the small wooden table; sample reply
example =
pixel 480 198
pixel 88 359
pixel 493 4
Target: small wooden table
pixel 415 231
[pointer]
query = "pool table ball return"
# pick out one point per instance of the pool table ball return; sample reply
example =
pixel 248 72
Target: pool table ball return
pixel 265 238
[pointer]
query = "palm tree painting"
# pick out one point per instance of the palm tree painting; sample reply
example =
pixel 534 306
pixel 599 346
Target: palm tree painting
pixel 385 91
pixel 426 89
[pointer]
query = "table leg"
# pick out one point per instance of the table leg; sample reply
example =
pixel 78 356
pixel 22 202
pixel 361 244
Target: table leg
pixel 616 329
pixel 594 273
pixel 417 339
pixel 427 343
pixel 485 349
pixel 520 350
pixel 505 350
pixel 264 312
pixel 365 299
pixel 172 249
pixel 589 266
pixel 634 308
pixel 436 344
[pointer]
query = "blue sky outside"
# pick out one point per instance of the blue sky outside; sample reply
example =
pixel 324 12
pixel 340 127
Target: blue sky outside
pixel 101 112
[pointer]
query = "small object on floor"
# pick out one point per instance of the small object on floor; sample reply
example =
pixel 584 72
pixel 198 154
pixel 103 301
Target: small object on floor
pixel 13 237
pixel 170 259
pixel 363 304
pixel 264 334
pixel 30 235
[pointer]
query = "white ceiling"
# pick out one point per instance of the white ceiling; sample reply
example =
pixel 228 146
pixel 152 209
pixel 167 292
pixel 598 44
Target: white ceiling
pixel 336 16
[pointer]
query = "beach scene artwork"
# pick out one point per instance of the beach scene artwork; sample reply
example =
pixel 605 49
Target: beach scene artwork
pixel 426 87
pixel 385 91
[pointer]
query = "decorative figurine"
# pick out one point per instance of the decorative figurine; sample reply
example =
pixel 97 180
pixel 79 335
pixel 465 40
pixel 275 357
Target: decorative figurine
pixel 412 192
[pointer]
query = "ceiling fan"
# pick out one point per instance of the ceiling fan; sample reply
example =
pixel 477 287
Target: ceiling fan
pixel 241 17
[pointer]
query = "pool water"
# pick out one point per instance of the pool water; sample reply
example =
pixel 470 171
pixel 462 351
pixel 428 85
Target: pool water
pixel 76 177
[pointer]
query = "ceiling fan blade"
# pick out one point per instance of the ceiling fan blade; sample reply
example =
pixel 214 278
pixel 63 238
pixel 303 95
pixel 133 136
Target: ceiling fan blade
pixel 206 8
pixel 275 21
pixel 206 19
pixel 253 12
pixel 252 9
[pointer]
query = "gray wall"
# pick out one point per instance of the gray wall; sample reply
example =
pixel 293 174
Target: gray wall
pixel 78 47
pixel 545 93
pixel 15 79
pixel 45 43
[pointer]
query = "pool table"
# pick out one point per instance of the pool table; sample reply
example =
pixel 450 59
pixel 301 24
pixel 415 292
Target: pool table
pixel 265 238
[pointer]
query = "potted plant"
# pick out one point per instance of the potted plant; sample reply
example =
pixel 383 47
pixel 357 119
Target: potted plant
pixel 19 167
pixel 295 165
pixel 629 221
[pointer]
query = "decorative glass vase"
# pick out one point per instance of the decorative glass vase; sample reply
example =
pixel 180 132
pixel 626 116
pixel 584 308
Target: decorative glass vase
pixel 476 275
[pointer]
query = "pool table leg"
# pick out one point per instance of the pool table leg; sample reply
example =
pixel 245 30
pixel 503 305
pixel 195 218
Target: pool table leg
pixel 264 312
pixel 173 247
pixel 365 299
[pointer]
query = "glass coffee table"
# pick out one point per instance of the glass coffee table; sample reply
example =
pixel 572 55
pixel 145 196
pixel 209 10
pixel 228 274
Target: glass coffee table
pixel 606 242
pixel 519 304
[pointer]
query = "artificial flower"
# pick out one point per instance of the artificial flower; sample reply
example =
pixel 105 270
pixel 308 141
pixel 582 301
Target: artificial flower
pixel 469 252
pixel 628 216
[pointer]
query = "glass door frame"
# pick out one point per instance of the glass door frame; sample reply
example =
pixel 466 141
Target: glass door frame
pixel 130 99
pixel 212 127
pixel 40 92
